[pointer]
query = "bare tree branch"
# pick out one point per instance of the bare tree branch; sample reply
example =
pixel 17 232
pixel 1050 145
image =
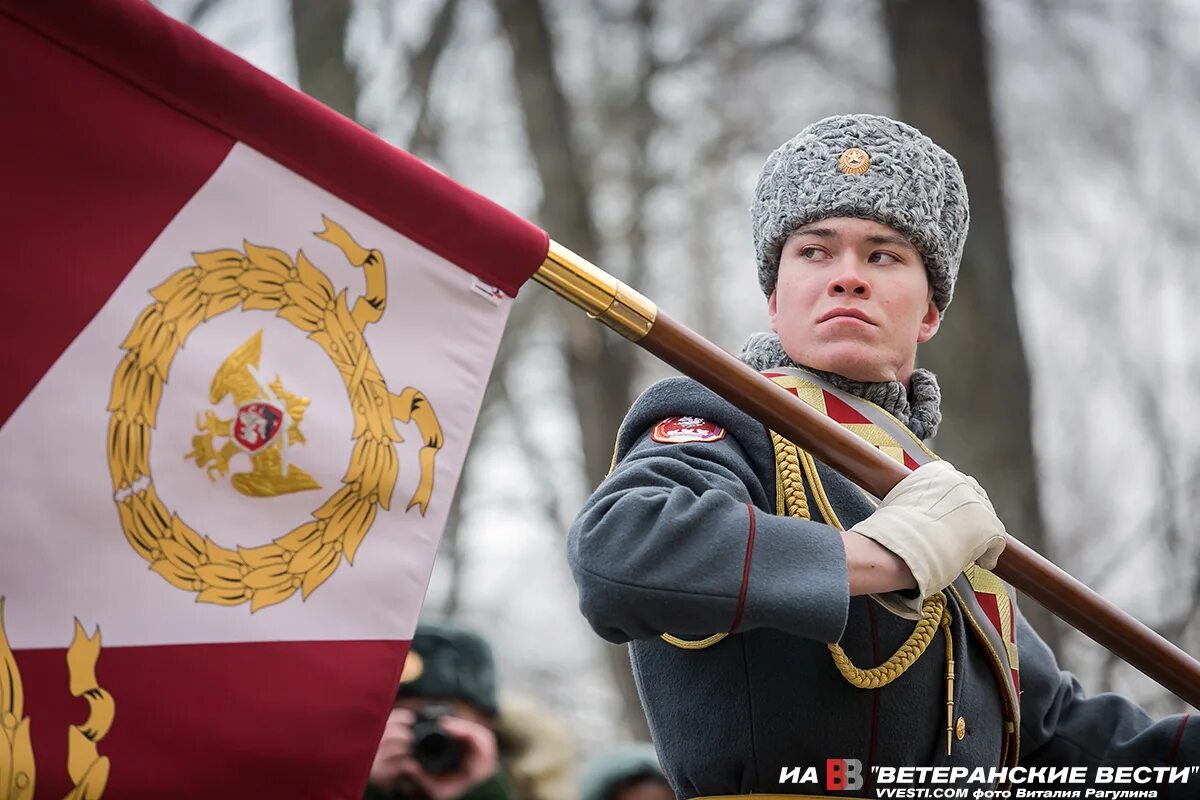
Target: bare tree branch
pixel 422 65
pixel 200 11
pixel 535 458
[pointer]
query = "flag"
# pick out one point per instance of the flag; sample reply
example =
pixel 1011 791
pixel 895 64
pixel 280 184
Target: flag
pixel 245 342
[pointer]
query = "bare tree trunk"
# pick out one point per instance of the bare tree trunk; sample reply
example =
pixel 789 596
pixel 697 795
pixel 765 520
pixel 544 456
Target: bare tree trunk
pixel 319 40
pixel 600 366
pixel 940 55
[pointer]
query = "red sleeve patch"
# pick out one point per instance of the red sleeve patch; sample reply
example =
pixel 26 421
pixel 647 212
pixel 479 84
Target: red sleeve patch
pixel 678 430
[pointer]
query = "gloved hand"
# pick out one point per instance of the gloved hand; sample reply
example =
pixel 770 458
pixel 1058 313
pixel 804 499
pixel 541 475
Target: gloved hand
pixel 937 520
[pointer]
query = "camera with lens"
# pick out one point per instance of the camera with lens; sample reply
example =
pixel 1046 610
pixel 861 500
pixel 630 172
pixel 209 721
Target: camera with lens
pixel 433 747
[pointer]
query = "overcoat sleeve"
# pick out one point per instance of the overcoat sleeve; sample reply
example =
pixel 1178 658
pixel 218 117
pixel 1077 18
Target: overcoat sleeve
pixel 1062 726
pixel 681 537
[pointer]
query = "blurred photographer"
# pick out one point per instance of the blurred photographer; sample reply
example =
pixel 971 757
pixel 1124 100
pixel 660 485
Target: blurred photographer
pixel 439 742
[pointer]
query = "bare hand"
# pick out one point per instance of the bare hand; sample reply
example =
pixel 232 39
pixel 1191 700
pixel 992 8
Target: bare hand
pixel 393 748
pixel 393 762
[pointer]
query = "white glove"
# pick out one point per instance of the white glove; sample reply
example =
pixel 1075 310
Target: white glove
pixel 938 521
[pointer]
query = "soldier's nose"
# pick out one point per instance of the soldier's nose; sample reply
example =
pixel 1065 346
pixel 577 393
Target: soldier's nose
pixel 850 284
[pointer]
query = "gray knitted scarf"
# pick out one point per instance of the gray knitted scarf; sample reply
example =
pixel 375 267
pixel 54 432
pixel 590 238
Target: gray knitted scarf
pixel 919 408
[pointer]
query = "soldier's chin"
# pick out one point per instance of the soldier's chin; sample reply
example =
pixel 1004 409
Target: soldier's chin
pixel 858 362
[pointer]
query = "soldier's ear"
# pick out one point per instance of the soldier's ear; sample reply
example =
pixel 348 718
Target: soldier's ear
pixel 773 310
pixel 929 323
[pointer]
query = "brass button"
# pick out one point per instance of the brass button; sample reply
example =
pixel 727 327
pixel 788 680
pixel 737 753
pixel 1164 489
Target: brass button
pixel 960 729
pixel 854 161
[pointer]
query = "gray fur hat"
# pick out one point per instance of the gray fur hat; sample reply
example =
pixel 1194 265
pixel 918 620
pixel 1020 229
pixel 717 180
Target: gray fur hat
pixel 869 167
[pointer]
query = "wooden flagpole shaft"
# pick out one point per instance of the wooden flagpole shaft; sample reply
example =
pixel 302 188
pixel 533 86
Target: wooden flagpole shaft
pixel 638 319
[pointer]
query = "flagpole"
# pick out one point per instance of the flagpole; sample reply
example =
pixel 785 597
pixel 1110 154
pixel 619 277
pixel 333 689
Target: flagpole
pixel 638 319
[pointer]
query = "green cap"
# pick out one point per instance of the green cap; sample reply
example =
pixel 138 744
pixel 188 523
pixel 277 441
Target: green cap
pixel 603 773
pixel 449 661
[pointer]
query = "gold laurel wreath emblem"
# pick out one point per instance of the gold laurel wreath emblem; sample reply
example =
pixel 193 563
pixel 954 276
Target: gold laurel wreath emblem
pixel 264 279
pixel 85 766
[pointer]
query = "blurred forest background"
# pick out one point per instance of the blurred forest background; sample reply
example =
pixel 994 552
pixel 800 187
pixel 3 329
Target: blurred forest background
pixel 633 132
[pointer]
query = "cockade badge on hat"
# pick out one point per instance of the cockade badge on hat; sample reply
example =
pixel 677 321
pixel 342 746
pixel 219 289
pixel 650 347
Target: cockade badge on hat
pixel 854 161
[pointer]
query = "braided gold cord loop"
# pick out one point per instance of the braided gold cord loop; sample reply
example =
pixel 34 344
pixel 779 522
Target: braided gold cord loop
pixel 788 461
pixel 790 500
pixel 933 614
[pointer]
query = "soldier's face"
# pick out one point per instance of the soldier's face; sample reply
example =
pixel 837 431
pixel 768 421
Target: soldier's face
pixel 853 298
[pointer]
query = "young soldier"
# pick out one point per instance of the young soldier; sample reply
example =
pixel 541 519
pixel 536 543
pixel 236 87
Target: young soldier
pixel 769 603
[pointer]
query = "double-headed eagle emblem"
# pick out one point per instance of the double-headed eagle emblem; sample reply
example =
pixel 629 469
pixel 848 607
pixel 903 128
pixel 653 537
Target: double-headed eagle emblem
pixel 265 423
